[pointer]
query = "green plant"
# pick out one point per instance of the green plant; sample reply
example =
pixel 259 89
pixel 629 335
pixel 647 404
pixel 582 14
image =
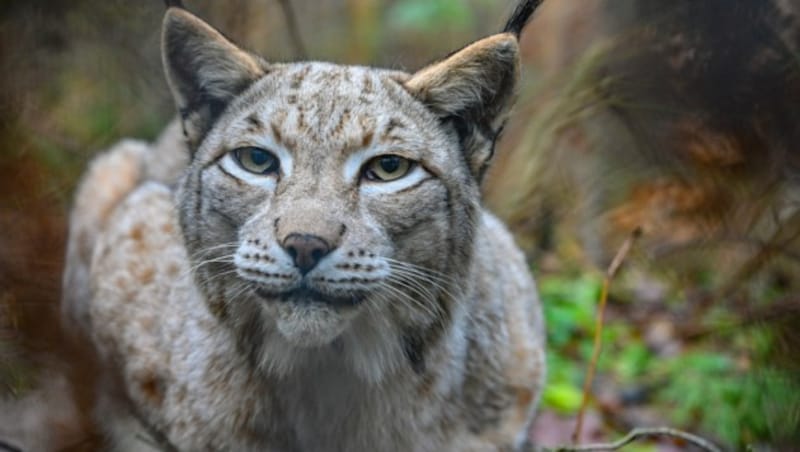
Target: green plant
pixel 569 309
pixel 426 15
pixel 729 396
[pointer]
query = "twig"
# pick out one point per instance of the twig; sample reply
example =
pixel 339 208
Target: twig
pixel 616 263
pixel 294 30
pixel 637 434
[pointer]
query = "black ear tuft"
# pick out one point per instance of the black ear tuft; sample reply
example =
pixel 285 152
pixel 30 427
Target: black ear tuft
pixel 521 15
pixel 173 4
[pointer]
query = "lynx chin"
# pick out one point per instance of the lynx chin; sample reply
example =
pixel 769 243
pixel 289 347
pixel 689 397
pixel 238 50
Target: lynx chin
pixel 302 261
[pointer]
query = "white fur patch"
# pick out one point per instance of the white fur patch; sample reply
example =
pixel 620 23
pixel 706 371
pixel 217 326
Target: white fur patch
pixel 415 176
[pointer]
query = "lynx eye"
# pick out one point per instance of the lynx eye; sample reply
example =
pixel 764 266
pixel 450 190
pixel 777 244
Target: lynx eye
pixel 386 168
pixel 256 160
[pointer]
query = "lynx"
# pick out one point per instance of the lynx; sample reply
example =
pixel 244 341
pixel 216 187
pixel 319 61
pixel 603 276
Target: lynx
pixel 309 267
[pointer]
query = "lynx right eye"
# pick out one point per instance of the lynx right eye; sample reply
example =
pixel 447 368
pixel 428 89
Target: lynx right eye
pixel 386 168
pixel 256 160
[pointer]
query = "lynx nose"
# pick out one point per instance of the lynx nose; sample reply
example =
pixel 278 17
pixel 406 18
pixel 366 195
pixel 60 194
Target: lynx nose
pixel 306 250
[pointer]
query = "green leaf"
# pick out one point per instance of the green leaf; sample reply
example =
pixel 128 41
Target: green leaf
pixel 562 397
pixel 430 15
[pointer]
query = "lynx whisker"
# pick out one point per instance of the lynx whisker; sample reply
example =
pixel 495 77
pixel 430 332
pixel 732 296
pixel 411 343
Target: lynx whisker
pixel 205 251
pixel 420 270
pixel 238 291
pixel 216 276
pixel 429 310
pixel 229 258
pixel 423 277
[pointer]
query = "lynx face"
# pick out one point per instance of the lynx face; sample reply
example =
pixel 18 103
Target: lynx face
pixel 332 205
pixel 334 188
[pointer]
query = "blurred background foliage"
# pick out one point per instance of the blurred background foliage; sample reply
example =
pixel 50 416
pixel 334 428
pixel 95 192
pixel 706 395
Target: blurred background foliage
pixel 680 117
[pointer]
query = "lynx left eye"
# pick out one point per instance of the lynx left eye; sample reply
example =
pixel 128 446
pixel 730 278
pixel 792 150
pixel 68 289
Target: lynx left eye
pixel 386 168
pixel 256 160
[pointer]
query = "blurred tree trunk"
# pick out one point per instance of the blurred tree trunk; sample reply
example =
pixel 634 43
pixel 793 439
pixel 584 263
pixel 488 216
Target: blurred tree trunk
pixel 365 41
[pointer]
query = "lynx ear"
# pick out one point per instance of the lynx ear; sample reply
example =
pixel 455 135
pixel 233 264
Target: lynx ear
pixel 474 89
pixel 205 71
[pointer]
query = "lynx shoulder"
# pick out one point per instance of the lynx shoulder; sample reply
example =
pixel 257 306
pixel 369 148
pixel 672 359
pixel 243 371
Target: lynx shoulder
pixel 309 268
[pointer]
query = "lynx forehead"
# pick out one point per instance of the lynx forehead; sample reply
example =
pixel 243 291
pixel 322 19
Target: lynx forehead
pixel 311 268
pixel 319 116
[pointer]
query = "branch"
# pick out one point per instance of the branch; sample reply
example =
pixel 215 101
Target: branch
pixel 637 434
pixel 616 263
pixel 294 30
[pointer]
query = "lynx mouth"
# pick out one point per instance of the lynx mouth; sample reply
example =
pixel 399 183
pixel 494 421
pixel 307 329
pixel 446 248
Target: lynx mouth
pixel 305 295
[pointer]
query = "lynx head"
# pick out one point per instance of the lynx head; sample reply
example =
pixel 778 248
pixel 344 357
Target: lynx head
pixel 329 210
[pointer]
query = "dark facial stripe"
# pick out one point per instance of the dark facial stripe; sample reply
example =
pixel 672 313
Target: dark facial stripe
pixel 443 300
pixel 414 348
pixel 154 435
pixel 198 204
pixel 416 342
pixel 228 219
pixel 250 337
pixel 217 302
pixel 412 187
pixel 225 172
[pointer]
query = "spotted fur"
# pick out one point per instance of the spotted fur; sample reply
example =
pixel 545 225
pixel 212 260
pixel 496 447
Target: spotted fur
pixel 418 330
